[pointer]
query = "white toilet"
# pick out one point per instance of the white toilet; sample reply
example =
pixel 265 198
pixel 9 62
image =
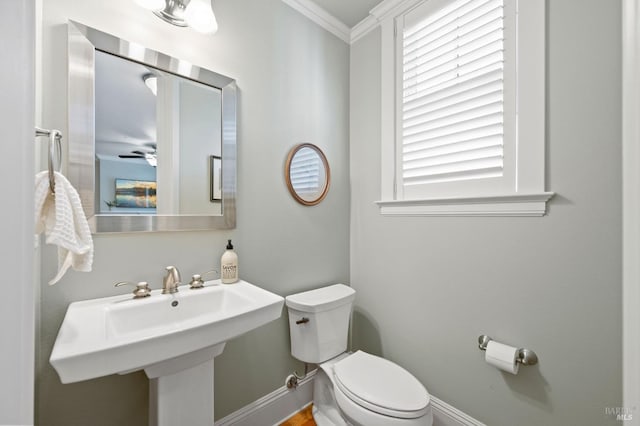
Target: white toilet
pixel 350 388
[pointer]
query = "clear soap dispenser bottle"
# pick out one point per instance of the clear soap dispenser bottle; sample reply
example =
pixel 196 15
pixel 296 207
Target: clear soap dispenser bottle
pixel 229 265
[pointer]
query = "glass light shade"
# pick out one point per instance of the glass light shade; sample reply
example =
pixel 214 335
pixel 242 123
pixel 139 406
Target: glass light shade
pixel 152 4
pixel 151 160
pixel 200 17
pixel 151 81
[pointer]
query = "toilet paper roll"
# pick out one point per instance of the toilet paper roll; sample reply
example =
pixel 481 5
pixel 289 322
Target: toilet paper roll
pixel 502 356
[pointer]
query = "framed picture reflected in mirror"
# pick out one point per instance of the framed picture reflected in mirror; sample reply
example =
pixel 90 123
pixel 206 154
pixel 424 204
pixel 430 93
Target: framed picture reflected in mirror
pixel 215 174
pixel 135 193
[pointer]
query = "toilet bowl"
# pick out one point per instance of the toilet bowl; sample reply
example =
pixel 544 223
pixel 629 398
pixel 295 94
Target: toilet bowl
pixel 358 388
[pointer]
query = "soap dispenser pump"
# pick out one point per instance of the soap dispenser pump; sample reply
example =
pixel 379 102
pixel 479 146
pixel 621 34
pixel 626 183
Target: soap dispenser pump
pixel 229 265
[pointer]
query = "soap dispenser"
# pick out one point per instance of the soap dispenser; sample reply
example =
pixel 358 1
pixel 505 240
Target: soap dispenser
pixel 229 265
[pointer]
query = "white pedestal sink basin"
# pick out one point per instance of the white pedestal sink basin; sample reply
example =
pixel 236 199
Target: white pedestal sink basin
pixel 173 337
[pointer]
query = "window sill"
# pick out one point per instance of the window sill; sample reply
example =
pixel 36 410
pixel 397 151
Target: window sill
pixel 501 205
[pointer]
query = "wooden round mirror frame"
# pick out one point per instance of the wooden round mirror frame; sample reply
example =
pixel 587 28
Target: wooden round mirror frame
pixel 287 173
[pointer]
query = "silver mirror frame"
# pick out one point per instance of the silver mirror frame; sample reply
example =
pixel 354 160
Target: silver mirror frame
pixel 82 44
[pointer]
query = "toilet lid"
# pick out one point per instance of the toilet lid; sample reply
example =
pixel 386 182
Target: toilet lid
pixel 381 386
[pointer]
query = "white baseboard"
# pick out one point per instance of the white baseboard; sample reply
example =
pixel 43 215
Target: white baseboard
pixel 283 403
pixel 274 408
pixel 447 415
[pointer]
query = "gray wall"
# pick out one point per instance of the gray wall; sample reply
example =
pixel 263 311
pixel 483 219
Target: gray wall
pixel 200 137
pixel 293 87
pixel 428 286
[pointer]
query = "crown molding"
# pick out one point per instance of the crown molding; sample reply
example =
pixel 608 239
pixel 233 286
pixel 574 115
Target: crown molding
pixel 321 17
pixel 338 28
pixel 386 9
pixel 363 27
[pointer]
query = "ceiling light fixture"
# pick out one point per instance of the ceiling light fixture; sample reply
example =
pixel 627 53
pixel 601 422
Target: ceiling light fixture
pixel 151 81
pixel 151 159
pixel 197 14
pixel 151 4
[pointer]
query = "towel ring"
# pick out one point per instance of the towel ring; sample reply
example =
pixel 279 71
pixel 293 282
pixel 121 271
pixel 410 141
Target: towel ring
pixel 55 151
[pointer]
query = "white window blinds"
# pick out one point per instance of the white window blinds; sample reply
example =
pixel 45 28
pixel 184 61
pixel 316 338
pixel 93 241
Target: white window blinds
pixel 306 172
pixel 452 100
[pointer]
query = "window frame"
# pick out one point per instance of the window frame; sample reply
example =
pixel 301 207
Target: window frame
pixel 525 196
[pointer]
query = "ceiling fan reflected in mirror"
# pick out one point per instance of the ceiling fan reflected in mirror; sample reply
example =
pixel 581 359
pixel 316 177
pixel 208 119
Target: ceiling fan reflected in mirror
pixel 150 156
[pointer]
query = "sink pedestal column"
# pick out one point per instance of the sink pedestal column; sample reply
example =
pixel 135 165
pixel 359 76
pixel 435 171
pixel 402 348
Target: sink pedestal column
pixel 181 389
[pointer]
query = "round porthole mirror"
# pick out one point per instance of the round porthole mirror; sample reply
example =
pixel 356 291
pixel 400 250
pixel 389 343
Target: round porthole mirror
pixel 307 174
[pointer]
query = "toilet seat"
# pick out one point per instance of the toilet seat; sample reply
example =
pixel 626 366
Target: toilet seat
pixel 381 386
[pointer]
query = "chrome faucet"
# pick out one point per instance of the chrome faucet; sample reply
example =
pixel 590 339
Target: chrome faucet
pixel 171 281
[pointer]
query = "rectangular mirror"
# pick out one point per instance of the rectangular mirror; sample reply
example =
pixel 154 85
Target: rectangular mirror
pixel 144 130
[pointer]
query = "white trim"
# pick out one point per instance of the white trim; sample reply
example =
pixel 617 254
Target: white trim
pixel 387 107
pixel 321 17
pixel 630 207
pixel 526 195
pixel 447 415
pixel 378 14
pixel 501 205
pixel 531 74
pixel 274 408
pixel 338 28
pixel 390 8
pixel 18 305
pixel 283 403
pixel 363 27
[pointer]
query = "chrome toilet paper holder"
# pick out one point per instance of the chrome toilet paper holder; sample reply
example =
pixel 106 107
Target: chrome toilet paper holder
pixel 525 356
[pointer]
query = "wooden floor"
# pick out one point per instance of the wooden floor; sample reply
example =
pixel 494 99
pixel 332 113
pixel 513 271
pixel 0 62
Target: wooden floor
pixel 303 418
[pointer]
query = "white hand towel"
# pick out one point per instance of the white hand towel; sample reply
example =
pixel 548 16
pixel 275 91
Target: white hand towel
pixel 62 219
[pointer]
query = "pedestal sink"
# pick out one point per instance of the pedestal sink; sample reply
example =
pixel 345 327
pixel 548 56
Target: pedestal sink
pixel 172 337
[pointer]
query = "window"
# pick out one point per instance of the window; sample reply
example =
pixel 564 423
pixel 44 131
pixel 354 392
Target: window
pixel 463 108
pixel 306 172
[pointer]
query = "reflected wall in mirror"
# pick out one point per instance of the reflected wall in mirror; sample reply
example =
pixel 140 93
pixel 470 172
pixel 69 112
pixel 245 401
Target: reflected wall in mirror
pixel 155 119
pixel 156 126
pixel 307 174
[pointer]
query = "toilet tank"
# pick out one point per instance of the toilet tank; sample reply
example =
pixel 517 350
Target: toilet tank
pixel 319 322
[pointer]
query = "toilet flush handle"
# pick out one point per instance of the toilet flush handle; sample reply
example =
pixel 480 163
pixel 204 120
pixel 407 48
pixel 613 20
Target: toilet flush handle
pixel 304 320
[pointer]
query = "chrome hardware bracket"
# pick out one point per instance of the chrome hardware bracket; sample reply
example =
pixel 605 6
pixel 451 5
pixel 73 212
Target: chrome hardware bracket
pixel 525 356
pixel 55 152
pixel 293 379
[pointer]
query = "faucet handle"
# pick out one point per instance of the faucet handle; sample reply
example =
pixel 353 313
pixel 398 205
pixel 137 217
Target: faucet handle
pixel 141 289
pixel 197 281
